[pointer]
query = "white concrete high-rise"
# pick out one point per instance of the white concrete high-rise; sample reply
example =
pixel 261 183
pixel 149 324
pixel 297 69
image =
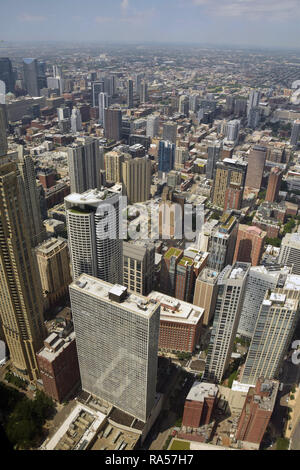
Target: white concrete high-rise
pixel 231 288
pixel 290 251
pixel 104 103
pixel 84 161
pixel 152 128
pixel 117 344
pixel 76 122
pixel 93 229
pixel 260 279
pixel 274 329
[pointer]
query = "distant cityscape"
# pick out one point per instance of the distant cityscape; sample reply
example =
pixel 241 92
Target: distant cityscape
pixel 170 321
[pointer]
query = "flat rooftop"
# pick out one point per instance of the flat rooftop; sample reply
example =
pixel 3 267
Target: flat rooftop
pixel 201 390
pixel 93 197
pixel 100 289
pixel 177 310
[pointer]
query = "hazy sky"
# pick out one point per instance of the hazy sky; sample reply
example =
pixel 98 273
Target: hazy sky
pixel 241 22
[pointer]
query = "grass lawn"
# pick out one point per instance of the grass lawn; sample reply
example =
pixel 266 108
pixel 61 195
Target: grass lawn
pixel 180 445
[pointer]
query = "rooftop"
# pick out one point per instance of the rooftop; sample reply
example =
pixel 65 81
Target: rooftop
pixel 100 289
pixel 201 390
pixel 177 310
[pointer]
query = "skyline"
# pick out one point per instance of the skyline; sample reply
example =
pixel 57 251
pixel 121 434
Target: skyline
pixel 239 23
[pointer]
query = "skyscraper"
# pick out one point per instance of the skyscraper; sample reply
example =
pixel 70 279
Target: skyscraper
pixel 84 161
pixel 275 325
pixel 7 74
pixel 104 102
pixel 30 70
pixel 93 229
pixel 117 343
pixel 249 244
pixel 231 284
pixel 97 88
pixel 213 155
pixel 3 137
pixel 130 94
pixel 21 308
pixel 152 126
pixel 290 251
pixel 136 176
pixel 181 156
pixel 205 295
pixel 166 156
pixel 76 121
pixel 274 184
pixel 221 242
pixel 138 266
pixel 227 172
pixel 295 133
pixel 256 165
pixel 30 197
pixel 144 92
pixel 253 101
pixel 170 132
pixel 113 124
pixel 184 105
pixel 260 279
pixel 232 130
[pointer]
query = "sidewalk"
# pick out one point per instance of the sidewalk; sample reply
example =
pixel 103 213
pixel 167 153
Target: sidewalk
pixel 295 413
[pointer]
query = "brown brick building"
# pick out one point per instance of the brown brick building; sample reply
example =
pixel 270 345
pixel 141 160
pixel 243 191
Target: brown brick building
pixel 256 413
pixel 199 404
pixel 58 364
pixel 249 244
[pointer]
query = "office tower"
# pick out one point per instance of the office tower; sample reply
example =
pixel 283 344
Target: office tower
pixel 21 297
pixel 84 163
pixel 227 172
pixel 169 264
pixel 152 128
pixel 181 156
pixel 290 252
pixel 97 88
pixel 130 94
pixel 194 103
pixel 104 102
pixel 7 74
pixel 113 166
pixel 95 247
pixel 54 267
pixel 240 106
pixel 3 137
pixel 254 118
pixel 221 242
pixel 253 101
pixel 205 295
pixel 230 103
pixel 63 113
pixel 274 184
pixel 113 124
pixel 213 155
pixel 138 82
pixel 170 221
pixel 58 363
pixel 249 244
pixel 170 132
pixel 295 133
pixel 275 326
pixel 231 284
pixel 184 105
pixel 30 197
pixel 30 70
pixel 76 122
pixel 232 130
pixel 187 270
pixel 180 323
pixel 138 266
pixel 256 413
pixel 144 92
pixel 260 279
pixel 166 156
pixel 256 165
pixel 117 343
pixel 136 177
pixel 199 405
pixel 57 71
